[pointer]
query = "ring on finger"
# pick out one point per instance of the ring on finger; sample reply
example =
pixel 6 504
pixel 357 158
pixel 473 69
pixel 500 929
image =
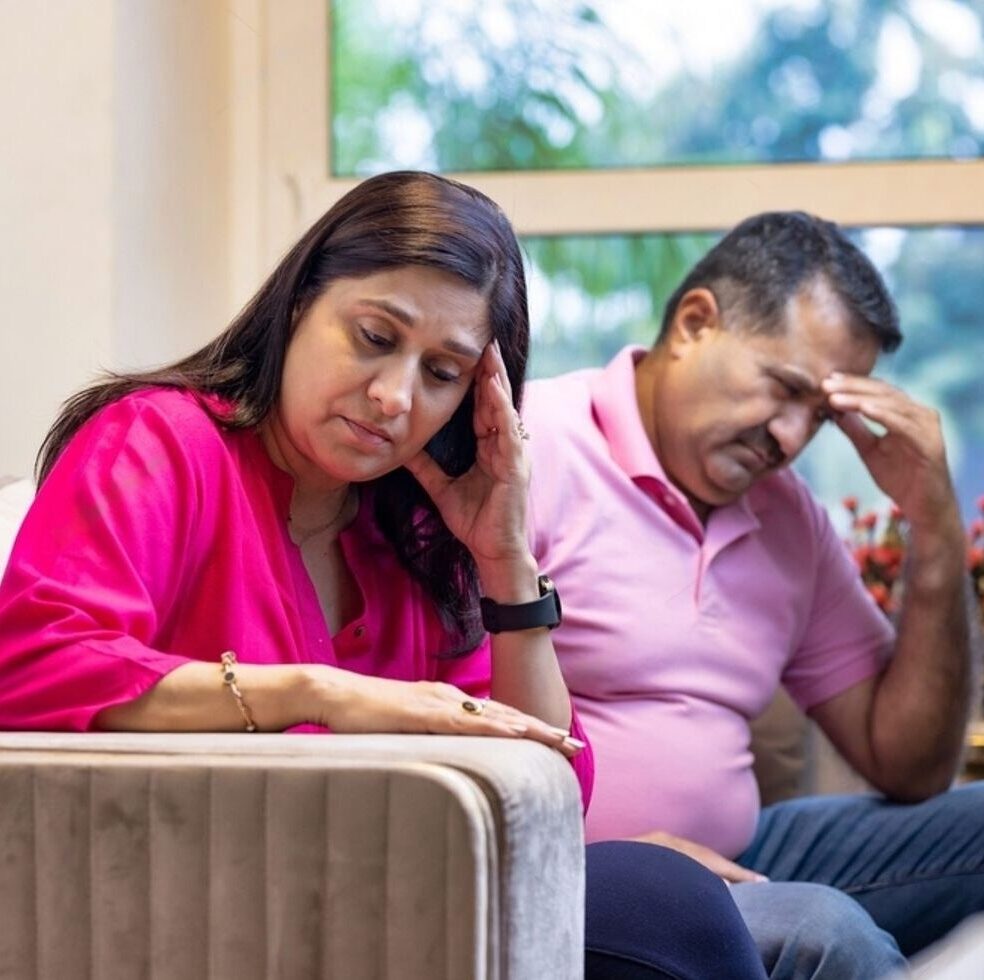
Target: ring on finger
pixel 473 706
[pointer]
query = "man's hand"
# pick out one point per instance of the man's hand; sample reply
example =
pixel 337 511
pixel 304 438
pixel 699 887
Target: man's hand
pixel 711 860
pixel 907 461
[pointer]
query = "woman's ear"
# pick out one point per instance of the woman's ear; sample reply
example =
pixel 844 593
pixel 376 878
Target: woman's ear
pixel 696 314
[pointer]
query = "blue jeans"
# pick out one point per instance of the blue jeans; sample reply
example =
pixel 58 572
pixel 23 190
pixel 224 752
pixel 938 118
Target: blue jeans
pixel 913 870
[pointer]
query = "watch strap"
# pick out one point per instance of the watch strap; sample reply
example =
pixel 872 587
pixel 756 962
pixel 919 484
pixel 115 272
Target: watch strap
pixel 544 612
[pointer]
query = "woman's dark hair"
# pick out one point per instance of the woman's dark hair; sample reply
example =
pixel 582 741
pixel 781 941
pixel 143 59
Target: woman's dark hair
pixel 395 219
pixel 767 259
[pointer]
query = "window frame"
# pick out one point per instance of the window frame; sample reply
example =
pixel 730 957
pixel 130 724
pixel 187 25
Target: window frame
pixel 296 185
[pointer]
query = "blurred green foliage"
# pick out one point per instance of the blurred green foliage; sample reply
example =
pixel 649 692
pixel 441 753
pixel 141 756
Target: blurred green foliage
pixel 545 84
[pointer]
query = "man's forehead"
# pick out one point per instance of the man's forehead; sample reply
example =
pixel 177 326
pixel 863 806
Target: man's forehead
pixel 805 354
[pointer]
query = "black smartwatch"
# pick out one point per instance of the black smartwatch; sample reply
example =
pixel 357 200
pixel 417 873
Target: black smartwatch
pixel 543 612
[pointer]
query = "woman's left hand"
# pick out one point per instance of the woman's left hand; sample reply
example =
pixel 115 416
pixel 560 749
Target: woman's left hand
pixel 485 508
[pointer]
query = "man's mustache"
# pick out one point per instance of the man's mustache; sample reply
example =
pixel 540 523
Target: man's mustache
pixel 761 442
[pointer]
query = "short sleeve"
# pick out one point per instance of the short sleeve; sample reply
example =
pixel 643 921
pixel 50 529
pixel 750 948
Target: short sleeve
pixel 847 638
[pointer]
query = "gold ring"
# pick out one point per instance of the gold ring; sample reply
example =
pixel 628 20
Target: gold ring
pixel 523 434
pixel 473 707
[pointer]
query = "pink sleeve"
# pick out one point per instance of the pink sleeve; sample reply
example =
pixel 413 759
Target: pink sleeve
pixel 583 762
pixel 472 673
pixel 95 560
pixel 847 638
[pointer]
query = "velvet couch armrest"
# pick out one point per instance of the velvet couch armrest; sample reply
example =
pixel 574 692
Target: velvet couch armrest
pixel 267 856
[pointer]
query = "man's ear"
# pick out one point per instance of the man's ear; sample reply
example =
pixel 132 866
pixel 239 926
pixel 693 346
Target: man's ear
pixel 696 314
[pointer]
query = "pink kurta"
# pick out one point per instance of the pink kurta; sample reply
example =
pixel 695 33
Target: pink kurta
pixel 160 538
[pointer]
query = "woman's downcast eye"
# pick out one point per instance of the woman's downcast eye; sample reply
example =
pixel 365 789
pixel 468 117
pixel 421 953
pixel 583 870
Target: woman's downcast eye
pixel 374 339
pixel 444 375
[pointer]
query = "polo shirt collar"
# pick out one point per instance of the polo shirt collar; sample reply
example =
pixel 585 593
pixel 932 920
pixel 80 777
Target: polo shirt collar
pixel 613 399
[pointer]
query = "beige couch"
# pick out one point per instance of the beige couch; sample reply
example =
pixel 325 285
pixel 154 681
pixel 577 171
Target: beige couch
pixel 794 758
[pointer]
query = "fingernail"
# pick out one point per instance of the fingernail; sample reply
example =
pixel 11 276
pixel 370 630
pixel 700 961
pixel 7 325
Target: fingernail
pixel 575 743
pixel 563 732
pixel 519 729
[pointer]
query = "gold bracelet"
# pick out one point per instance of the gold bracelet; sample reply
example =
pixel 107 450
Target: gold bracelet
pixel 229 679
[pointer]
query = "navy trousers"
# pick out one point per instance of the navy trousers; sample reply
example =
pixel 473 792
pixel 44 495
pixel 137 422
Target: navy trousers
pixel 653 914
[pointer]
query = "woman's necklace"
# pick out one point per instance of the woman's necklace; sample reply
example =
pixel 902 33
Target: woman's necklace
pixel 301 535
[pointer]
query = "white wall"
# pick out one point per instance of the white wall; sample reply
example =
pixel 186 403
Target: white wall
pixel 115 190
pixel 170 177
pixel 56 241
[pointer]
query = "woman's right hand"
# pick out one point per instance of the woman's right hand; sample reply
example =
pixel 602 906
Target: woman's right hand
pixel 349 702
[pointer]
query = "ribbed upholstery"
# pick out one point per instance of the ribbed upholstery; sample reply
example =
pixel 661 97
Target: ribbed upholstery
pixel 236 857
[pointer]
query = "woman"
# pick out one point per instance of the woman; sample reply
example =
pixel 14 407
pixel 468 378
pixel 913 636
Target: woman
pixel 315 501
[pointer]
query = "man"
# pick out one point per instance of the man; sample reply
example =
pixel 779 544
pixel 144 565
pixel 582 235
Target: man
pixel 697 574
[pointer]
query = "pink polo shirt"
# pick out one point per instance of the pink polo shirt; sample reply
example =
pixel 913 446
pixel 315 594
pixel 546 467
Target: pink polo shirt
pixel 675 635
pixel 160 538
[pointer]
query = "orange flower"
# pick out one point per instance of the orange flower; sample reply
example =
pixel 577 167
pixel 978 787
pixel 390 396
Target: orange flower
pixel 880 593
pixel 887 557
pixel 867 521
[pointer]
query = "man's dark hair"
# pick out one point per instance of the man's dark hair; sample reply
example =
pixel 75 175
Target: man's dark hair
pixel 769 258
